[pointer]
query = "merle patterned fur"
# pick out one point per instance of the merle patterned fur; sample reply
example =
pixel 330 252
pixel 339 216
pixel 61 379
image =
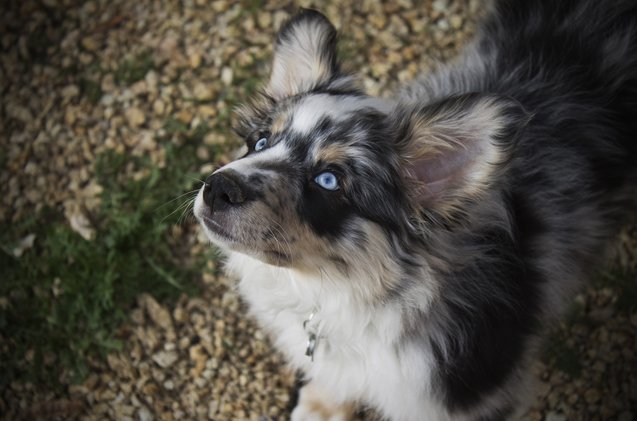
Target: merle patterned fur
pixel 505 240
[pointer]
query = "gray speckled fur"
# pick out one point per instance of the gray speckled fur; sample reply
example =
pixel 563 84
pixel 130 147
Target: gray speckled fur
pixel 533 130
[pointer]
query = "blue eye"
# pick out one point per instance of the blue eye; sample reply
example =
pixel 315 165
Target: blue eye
pixel 260 144
pixel 327 180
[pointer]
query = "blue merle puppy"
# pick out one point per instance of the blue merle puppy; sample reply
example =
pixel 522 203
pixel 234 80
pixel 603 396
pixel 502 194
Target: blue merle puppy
pixel 406 254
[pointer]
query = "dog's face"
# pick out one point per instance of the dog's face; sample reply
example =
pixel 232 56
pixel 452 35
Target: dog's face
pixel 317 175
pixel 334 177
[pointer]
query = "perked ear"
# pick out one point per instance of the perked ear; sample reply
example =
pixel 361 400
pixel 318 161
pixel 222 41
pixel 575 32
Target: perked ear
pixel 453 150
pixel 304 55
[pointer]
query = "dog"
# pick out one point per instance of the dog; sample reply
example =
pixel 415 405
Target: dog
pixel 406 254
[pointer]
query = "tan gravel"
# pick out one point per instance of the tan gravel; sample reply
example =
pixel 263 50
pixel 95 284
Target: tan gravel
pixel 80 77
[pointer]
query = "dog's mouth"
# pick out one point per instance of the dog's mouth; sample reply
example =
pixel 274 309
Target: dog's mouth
pixel 215 224
pixel 217 228
pixel 269 255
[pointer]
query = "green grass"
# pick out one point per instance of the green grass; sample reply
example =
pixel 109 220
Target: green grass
pixel 133 70
pixel 557 353
pixel 348 49
pixel 62 301
pixel 174 126
pixel 251 7
pixel 625 283
pixel 91 89
pixel 560 355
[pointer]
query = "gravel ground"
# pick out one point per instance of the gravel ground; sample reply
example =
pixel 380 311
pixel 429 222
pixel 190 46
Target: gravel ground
pixel 80 77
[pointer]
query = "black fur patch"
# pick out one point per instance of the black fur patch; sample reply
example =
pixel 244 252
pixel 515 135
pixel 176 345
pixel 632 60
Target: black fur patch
pixel 490 306
pixel 325 211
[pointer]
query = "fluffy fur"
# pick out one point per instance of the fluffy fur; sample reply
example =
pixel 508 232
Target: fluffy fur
pixel 467 209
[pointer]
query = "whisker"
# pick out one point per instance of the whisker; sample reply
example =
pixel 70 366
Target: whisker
pixel 281 230
pixel 278 241
pixel 187 212
pixel 177 198
pixel 181 206
pixel 196 179
pixel 184 210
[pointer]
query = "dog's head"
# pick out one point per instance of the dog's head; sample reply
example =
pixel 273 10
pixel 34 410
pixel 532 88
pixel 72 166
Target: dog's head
pixel 335 177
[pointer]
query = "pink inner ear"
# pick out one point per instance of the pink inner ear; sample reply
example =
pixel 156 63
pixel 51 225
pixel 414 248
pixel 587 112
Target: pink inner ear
pixel 441 172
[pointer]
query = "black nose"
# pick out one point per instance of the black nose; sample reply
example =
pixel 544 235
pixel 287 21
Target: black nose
pixel 224 190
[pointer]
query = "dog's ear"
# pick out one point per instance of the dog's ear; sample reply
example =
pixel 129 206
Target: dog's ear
pixel 304 55
pixel 453 150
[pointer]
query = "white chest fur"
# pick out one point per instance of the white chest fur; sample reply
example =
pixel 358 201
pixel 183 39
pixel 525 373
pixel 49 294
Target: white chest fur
pixel 357 356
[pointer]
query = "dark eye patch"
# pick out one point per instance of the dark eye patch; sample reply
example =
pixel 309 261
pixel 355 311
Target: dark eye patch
pixel 368 184
pixel 326 212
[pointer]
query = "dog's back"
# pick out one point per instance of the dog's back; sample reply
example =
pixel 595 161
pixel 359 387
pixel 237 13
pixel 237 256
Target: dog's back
pixel 573 64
